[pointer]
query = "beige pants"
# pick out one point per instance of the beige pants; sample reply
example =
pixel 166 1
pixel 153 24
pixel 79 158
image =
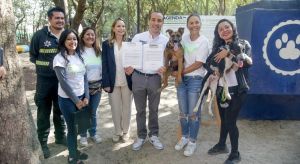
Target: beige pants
pixel 120 101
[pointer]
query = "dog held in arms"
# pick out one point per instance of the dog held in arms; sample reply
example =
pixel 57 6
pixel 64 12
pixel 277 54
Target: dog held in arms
pixel 210 85
pixel 173 57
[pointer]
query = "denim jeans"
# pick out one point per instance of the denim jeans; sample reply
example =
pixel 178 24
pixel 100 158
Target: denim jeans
pixel 93 106
pixel 68 108
pixel 188 94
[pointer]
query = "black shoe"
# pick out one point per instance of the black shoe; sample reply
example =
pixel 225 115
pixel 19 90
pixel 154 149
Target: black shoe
pixel 46 151
pixel 61 141
pixel 74 161
pixel 233 158
pixel 81 155
pixel 218 149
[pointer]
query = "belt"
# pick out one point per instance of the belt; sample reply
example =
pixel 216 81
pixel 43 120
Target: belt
pixel 145 74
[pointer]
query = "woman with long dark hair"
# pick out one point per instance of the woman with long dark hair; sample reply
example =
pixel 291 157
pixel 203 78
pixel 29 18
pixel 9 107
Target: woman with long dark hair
pixel 73 93
pixel 227 44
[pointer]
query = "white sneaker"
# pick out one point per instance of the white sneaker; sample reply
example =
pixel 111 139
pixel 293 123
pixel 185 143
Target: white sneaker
pixel 190 149
pixel 125 137
pixel 156 143
pixel 116 138
pixel 97 139
pixel 181 143
pixel 138 143
pixel 83 141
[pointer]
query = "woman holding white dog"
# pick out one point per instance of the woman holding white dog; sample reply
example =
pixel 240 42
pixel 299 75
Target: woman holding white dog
pixel 195 53
pixel 227 44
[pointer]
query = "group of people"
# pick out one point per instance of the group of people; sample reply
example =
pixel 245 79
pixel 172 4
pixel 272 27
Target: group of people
pixel 72 70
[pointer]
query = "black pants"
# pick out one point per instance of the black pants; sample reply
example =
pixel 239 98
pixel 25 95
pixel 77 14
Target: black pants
pixel 229 117
pixel 45 98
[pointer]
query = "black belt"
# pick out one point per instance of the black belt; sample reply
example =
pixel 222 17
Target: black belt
pixel 145 74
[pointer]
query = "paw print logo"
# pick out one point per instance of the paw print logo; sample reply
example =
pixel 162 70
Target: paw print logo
pixel 281 49
pixel 290 51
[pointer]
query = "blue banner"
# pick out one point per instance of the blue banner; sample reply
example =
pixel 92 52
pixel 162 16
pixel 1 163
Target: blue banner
pixel 275 39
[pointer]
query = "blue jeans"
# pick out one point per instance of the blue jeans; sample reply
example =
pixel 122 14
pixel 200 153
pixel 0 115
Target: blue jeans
pixel 93 106
pixel 188 94
pixel 68 108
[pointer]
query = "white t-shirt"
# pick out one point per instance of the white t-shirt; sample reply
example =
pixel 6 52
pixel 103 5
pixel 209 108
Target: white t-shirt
pixel 146 38
pixel 197 50
pixel 93 64
pixel 230 78
pixel 74 73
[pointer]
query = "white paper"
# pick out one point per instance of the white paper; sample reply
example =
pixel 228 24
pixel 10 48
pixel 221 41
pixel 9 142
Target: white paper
pixel 132 53
pixel 153 56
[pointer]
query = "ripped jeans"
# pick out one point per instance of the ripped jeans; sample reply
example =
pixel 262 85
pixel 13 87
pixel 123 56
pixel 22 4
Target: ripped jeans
pixel 188 94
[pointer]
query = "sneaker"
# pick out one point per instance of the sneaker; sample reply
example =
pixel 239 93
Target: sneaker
pixel 46 151
pixel 116 138
pixel 182 142
pixel 224 105
pixel 154 140
pixel 138 143
pixel 190 149
pixel 97 139
pixel 125 137
pixel 81 155
pixel 233 158
pixel 83 141
pixel 218 149
pixel 74 161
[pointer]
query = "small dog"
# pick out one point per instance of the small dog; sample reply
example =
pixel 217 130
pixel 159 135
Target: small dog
pixel 210 85
pixel 173 57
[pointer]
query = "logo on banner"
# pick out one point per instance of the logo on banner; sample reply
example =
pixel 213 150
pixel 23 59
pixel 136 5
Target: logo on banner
pixel 281 49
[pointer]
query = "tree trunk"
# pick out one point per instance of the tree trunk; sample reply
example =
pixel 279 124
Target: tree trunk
pixel 222 7
pixel 18 137
pixel 99 15
pixel 81 7
pixel 206 7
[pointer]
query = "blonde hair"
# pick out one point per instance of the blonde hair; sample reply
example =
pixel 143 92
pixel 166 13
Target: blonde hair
pixel 112 33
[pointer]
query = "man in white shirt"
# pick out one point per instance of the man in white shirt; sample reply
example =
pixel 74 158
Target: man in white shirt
pixel 145 85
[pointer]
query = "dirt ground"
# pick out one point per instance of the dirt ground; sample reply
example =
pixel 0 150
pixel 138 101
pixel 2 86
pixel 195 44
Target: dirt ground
pixel 261 142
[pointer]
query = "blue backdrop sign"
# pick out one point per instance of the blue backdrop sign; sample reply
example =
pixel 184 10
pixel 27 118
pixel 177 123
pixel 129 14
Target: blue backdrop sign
pixel 273 29
pixel 276 52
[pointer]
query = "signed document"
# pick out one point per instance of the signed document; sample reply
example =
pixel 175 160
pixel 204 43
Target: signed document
pixel 132 54
pixel 153 56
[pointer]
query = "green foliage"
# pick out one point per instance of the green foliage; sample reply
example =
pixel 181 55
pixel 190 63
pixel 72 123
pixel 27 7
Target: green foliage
pixel 30 15
pixel 101 13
